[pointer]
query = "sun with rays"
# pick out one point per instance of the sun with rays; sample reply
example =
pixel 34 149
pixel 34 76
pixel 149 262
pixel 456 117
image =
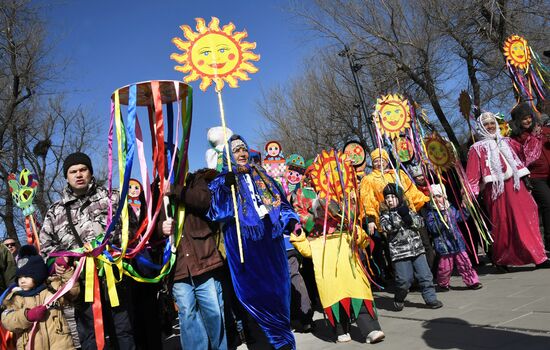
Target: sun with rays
pixel 214 55
pixel 392 115
pixel 332 177
pixel 517 52
pixel 439 152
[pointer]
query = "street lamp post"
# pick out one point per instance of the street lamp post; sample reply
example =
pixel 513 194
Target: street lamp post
pixel 355 67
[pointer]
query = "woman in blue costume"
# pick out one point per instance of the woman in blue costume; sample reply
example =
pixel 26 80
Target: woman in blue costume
pixel 262 282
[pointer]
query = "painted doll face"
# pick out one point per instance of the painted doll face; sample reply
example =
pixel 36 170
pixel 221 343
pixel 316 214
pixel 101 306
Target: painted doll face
pixel 293 177
pixel 273 149
pixel 134 189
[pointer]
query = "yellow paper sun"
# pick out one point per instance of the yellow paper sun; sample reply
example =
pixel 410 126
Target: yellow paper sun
pixel 439 152
pixel 326 178
pixel 214 55
pixel 393 115
pixel 517 52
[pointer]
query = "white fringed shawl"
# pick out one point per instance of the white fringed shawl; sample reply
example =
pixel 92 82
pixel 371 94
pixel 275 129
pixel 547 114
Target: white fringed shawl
pixel 494 146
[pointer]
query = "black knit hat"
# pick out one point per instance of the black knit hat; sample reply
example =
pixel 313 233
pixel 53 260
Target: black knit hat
pixel 30 264
pixel 77 158
pixel 522 110
pixel 395 190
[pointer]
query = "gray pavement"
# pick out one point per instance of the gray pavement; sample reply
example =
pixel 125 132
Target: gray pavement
pixel 511 311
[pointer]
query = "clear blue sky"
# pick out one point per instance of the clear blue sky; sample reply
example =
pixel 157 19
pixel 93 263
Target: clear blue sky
pixel 110 44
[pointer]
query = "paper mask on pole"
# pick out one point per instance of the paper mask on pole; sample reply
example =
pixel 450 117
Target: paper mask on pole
pixel 214 55
pixel 517 52
pixel 332 177
pixel 23 190
pixel 393 115
pixel 439 152
pixel 355 153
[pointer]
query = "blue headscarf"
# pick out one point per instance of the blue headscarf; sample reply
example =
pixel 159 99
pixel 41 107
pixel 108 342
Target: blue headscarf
pixel 266 189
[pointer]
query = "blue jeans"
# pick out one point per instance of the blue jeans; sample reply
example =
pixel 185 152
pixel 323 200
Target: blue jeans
pixel 405 272
pixel 200 305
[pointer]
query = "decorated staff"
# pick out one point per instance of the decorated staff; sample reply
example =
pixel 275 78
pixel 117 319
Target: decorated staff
pixel 220 56
pixel 530 77
pixel 22 193
pixel 414 141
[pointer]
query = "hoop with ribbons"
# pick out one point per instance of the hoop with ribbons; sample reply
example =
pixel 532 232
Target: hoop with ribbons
pixel 101 255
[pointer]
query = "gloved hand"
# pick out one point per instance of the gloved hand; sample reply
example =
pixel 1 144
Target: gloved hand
pixel 405 214
pixel 527 182
pixel 230 179
pixel 403 210
pixel 61 265
pixel 36 314
pixel 290 227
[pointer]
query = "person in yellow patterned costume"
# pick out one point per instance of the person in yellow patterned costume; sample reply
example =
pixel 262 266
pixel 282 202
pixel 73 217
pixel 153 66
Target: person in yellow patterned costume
pixel 344 289
pixel 371 194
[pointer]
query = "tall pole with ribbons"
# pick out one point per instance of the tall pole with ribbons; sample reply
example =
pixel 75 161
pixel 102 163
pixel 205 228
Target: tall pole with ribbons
pixel 216 55
pixel 102 253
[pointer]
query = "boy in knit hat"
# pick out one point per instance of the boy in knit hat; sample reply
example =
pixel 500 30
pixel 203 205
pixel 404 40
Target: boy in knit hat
pixel 401 226
pixel 25 305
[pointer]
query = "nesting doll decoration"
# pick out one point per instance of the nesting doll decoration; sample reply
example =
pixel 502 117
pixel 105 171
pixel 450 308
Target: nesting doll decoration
pixel 274 160
pixel 134 190
pixel 295 169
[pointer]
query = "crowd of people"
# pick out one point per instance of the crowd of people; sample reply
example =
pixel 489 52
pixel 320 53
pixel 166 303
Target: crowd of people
pixel 258 254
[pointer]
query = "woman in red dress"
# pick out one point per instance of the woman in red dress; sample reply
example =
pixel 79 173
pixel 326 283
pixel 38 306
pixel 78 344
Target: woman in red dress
pixel 494 168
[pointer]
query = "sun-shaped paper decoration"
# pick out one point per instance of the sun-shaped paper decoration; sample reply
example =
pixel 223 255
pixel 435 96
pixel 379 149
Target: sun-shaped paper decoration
pixel 325 176
pixel 439 152
pixel 517 52
pixel 393 114
pixel 214 54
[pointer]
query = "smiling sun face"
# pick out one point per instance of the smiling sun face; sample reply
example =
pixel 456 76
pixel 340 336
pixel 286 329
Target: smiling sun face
pixel 326 177
pixel 214 54
pixel 439 152
pixel 517 51
pixel 392 114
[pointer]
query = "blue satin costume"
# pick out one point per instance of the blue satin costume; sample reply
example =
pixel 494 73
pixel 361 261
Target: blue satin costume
pixel 262 282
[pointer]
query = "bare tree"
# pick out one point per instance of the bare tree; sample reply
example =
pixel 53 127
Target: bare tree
pixel 320 108
pixel 428 50
pixel 36 129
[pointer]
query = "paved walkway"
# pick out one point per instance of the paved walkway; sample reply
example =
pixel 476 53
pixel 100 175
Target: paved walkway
pixel 511 311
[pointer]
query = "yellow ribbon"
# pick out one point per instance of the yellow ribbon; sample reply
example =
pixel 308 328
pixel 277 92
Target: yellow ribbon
pixel 89 292
pixel 111 287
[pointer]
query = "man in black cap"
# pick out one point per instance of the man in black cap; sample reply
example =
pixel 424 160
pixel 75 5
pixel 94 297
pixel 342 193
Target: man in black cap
pixel 76 219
